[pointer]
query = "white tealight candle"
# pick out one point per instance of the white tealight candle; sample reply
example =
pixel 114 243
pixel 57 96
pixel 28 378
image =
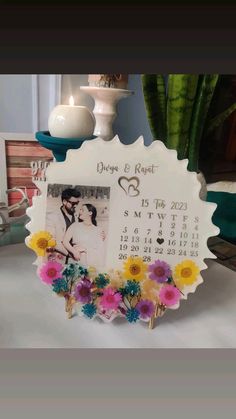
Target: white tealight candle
pixel 70 121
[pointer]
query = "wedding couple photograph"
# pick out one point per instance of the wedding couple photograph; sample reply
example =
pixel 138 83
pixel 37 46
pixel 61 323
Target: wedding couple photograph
pixel 77 217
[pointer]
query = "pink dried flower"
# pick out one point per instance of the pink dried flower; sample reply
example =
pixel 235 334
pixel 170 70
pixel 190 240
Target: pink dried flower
pixel 50 271
pixel 110 299
pixel 169 295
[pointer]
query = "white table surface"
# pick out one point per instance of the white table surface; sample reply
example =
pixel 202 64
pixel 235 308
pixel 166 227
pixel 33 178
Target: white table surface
pixel 32 316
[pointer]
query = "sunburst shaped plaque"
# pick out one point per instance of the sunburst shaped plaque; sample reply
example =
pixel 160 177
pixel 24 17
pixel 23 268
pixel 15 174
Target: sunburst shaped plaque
pixel 120 230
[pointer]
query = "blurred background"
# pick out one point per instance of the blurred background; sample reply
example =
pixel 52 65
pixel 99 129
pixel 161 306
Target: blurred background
pixel 25 104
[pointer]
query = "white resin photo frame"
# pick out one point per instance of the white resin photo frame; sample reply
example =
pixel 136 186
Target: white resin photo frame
pixel 141 250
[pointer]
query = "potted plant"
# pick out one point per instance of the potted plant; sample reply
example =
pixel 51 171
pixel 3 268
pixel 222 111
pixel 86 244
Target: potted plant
pixel 181 113
pixel 178 108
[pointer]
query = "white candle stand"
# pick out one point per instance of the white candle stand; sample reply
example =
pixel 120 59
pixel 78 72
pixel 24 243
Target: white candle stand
pixel 105 113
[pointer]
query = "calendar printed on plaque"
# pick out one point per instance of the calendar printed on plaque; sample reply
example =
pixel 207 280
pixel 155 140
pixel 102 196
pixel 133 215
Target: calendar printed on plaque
pixel 120 230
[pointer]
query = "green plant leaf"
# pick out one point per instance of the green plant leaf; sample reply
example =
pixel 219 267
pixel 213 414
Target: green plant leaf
pixel 155 102
pixel 181 94
pixel 205 91
pixel 219 119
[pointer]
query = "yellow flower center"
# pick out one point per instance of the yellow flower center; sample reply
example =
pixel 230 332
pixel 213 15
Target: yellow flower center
pixel 42 243
pixel 186 272
pixel 51 272
pixel 134 269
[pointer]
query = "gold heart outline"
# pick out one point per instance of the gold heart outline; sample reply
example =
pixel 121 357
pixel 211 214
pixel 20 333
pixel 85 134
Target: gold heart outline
pixel 131 188
pixel 128 180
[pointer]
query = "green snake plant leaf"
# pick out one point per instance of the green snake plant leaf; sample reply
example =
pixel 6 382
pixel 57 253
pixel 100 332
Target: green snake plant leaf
pixel 219 119
pixel 180 100
pixel 155 102
pixel 205 91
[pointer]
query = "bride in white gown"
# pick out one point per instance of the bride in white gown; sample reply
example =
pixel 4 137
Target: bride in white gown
pixel 87 238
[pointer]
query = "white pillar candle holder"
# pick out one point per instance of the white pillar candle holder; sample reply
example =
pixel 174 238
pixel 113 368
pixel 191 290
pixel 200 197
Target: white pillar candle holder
pixel 105 112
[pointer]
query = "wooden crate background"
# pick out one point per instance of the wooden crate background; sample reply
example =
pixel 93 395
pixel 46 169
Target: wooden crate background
pixel 19 155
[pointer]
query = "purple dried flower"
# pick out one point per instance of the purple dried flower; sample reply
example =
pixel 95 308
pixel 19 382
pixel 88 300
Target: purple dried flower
pixel 145 308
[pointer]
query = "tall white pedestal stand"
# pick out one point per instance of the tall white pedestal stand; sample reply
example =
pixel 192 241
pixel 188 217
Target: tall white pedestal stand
pixel 105 113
